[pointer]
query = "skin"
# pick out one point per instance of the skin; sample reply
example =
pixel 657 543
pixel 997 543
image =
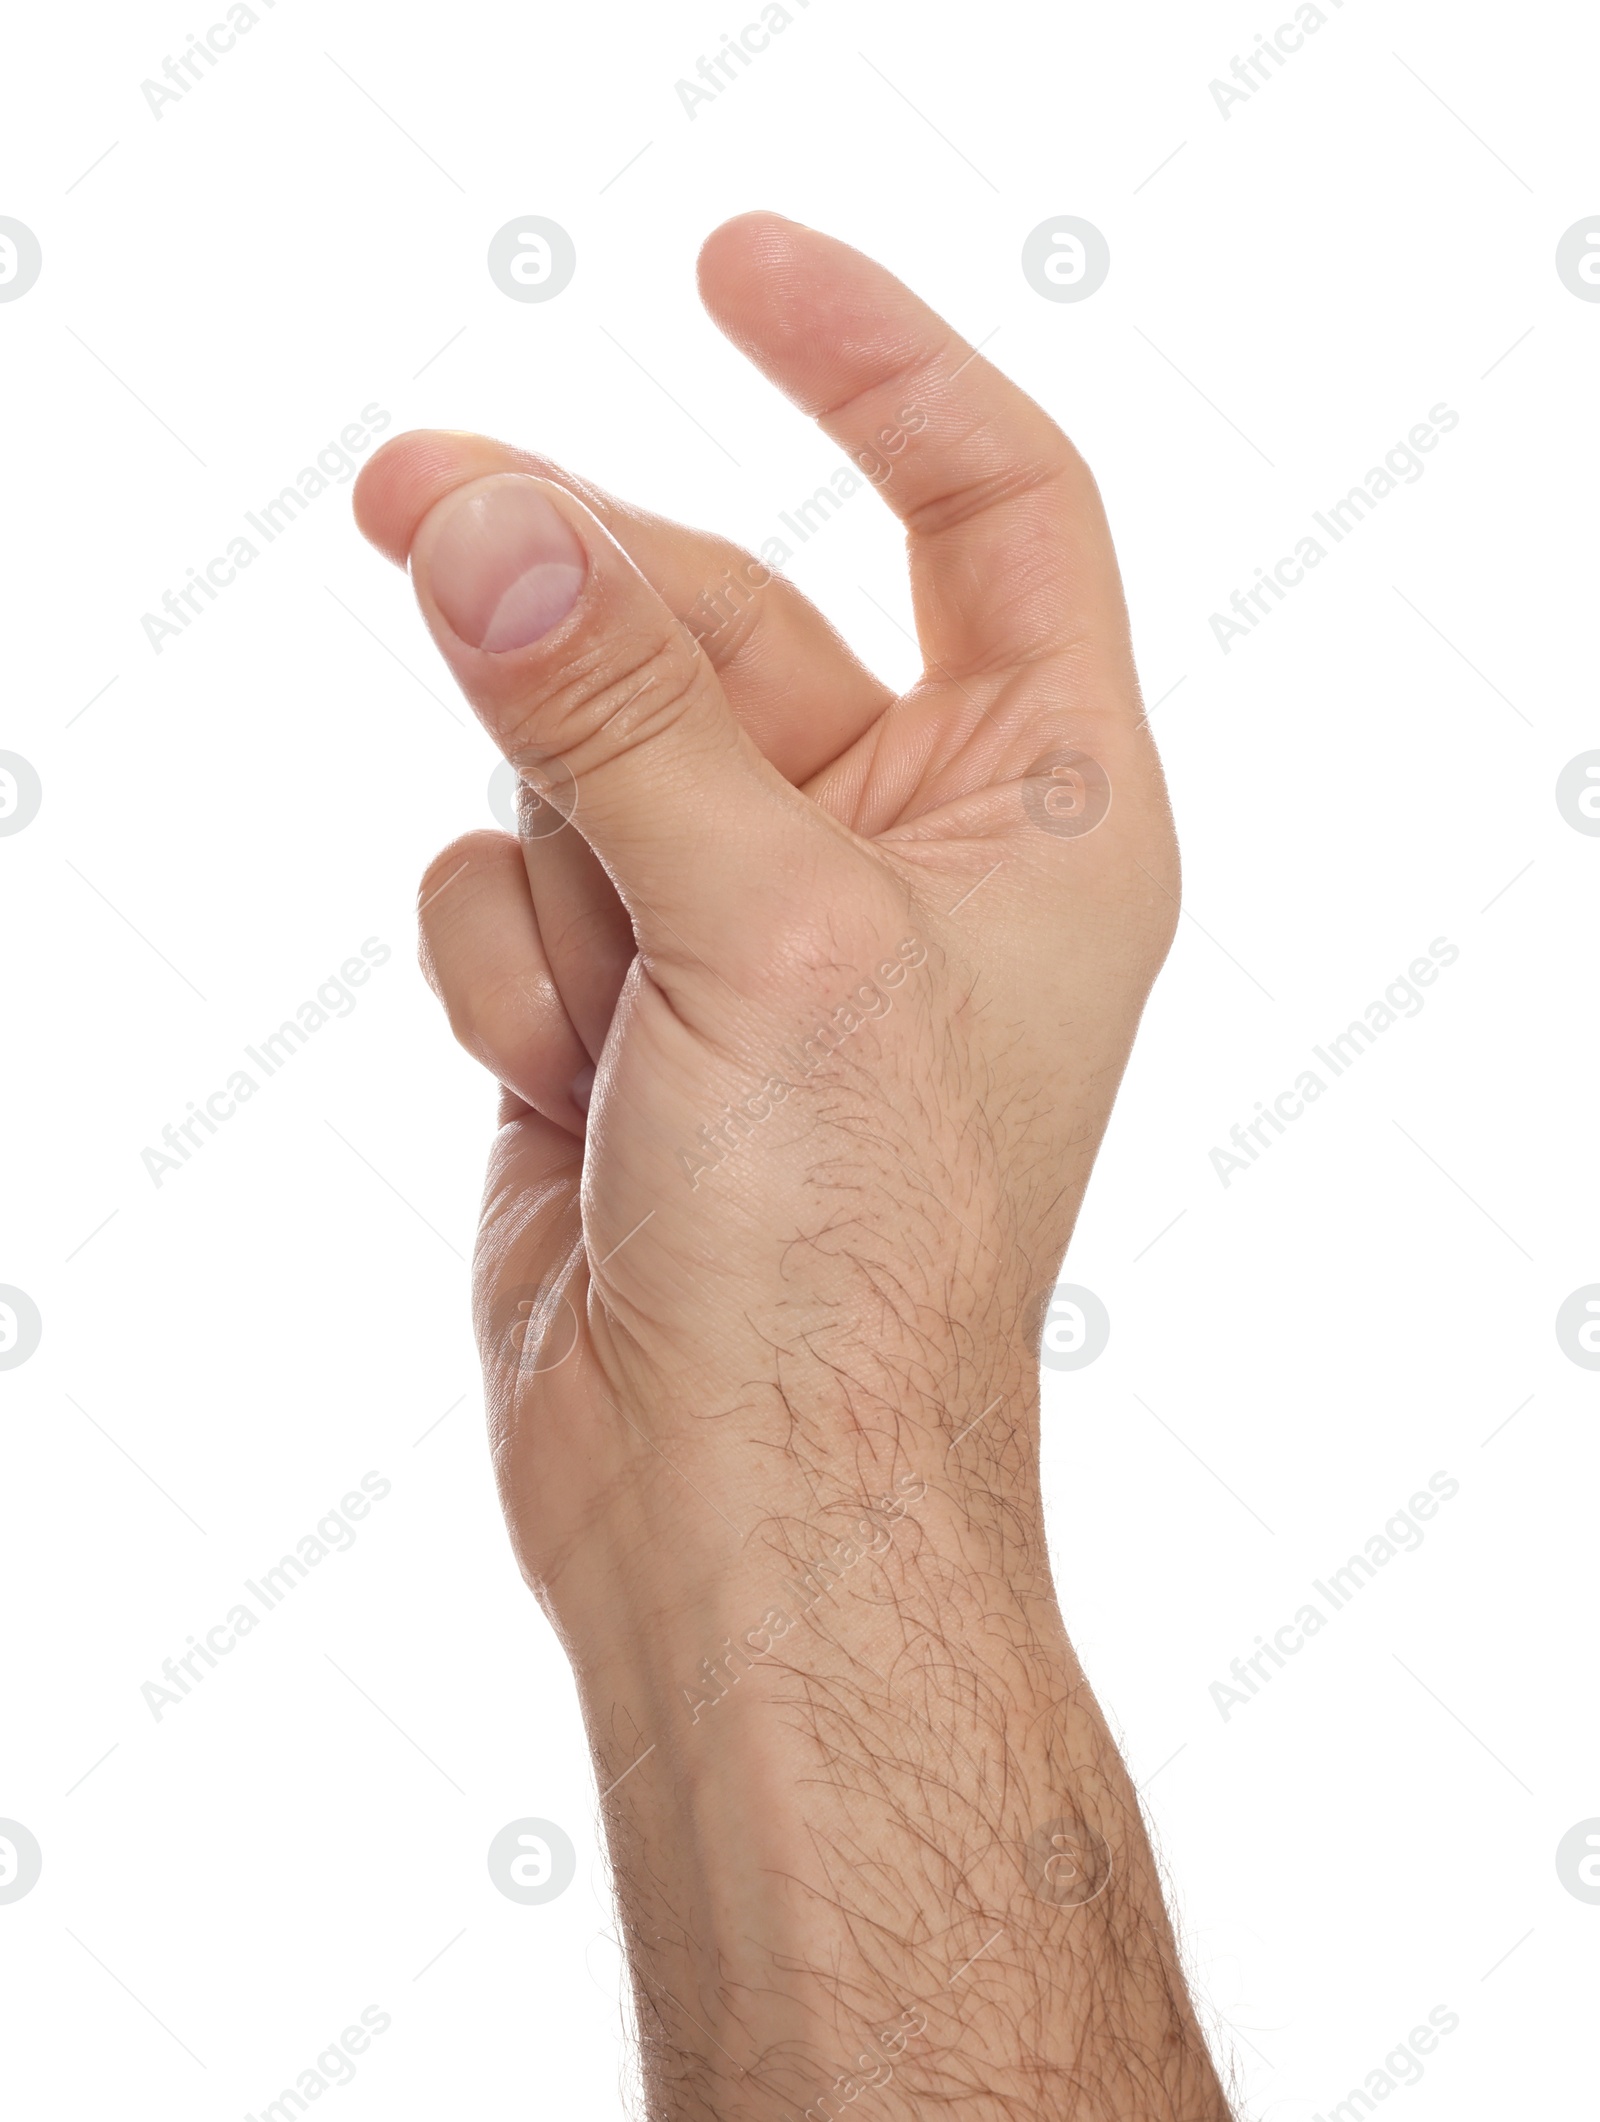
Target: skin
pixel 764 1399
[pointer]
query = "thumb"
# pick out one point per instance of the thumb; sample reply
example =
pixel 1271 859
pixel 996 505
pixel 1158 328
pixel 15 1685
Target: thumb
pixel 604 702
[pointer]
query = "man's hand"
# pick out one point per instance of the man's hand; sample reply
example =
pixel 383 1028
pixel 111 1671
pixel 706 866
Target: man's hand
pixel 809 1003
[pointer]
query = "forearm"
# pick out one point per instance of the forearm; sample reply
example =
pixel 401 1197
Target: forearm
pixel 871 1840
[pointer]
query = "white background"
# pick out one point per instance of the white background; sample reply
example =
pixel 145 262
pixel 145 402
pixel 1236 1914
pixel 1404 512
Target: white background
pixel 1374 1834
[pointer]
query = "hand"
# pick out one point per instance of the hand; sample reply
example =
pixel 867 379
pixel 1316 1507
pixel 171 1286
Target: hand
pixel 759 827
pixel 809 1023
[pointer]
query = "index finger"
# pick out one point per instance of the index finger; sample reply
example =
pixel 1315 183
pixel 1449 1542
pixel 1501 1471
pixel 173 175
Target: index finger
pixel 1011 555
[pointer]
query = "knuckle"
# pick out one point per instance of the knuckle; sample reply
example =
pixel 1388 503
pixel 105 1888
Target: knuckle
pixel 1041 476
pixel 619 693
pixel 822 954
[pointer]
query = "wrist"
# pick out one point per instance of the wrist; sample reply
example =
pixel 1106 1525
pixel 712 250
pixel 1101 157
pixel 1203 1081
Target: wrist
pixel 867 1583
pixel 705 1567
